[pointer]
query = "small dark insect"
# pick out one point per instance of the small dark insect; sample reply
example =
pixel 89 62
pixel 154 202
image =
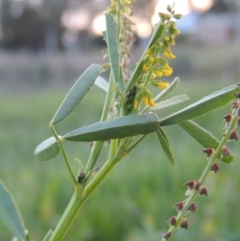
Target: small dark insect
pixel 81 177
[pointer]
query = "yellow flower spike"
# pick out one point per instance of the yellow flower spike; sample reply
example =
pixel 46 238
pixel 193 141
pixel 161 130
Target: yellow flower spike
pixel 151 101
pixel 145 68
pixel 162 85
pixel 167 72
pixel 158 73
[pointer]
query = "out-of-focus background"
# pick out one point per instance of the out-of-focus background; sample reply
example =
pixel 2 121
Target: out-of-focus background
pixel 45 45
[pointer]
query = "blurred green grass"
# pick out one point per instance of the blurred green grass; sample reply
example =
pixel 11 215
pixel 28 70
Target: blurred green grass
pixel 136 199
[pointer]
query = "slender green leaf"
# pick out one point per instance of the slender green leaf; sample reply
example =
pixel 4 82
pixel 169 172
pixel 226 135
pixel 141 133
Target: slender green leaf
pixel 164 142
pixel 169 102
pixel 102 83
pixel 117 128
pixel 204 137
pixel 201 135
pixel 157 34
pixel 204 105
pixel 10 213
pixel 48 235
pixel 77 92
pixel 47 150
pixel 168 90
pixel 112 42
pixel 135 75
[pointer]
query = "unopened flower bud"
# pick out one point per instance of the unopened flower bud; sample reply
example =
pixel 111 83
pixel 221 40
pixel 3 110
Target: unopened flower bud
pixel 235 105
pixel 172 221
pixel 225 151
pixel 215 167
pixel 184 223
pixel 227 118
pixel 190 184
pixel 238 121
pixel 203 191
pixel 192 208
pixel 166 236
pixel 233 136
pixel 177 16
pixel 209 151
pixel 237 95
pixel 179 206
pixel 197 186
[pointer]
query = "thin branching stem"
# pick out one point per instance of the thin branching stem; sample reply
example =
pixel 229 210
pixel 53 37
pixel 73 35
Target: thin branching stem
pixel 206 171
pixel 64 154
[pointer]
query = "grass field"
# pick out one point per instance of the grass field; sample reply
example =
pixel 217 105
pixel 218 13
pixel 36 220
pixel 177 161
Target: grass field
pixel 136 199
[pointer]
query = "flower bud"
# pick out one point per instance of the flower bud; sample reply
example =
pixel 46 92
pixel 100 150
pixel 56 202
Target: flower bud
pixel 179 206
pixel 215 167
pixel 184 223
pixel 172 221
pixel 225 151
pixel 177 16
pixel 237 95
pixel 238 121
pixel 192 208
pixel 209 151
pixel 203 191
pixel 233 136
pixel 166 236
pixel 235 105
pixel 197 186
pixel 190 184
pixel 227 118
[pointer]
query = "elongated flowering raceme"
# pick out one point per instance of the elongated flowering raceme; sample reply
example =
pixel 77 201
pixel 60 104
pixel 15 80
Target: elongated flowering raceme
pixel 154 63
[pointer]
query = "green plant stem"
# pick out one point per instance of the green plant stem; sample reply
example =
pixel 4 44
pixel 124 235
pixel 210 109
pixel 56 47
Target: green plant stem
pixel 202 178
pixel 64 154
pixel 81 195
pixel 97 146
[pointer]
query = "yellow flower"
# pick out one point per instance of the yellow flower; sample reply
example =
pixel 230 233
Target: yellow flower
pixel 151 59
pixel 136 104
pixel 128 11
pixel 162 85
pixel 166 66
pixel 148 52
pixel 151 101
pixel 158 73
pixel 127 2
pixel 145 68
pixel 145 100
pixel 167 72
pixel 171 41
pixel 166 54
pixel 171 56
